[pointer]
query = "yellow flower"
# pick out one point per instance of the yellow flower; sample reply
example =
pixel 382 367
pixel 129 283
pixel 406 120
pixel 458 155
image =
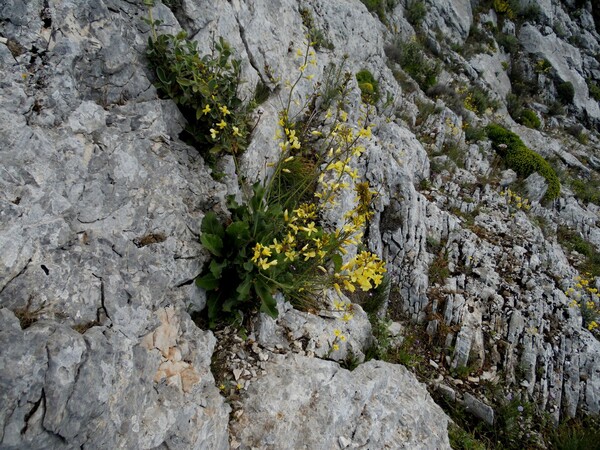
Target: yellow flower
pixel 238 386
pixel 213 133
pixel 311 228
pixel 347 317
pixel 264 264
pixel 290 255
pixel 206 109
pixel 224 110
pixel 236 131
pixel 308 255
pixel 365 132
pixel 257 249
pixel 592 325
pixel 337 332
pixel 339 291
pixel 222 387
pixel 343 338
pixel 222 124
pixel 335 347
pixel 276 246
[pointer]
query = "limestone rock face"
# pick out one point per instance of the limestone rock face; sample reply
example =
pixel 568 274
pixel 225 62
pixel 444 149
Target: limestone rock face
pixel 565 59
pixel 102 201
pixel 452 17
pixel 336 408
pixel 100 215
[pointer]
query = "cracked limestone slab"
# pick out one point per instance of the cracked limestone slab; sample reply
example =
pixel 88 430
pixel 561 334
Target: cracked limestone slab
pixel 314 404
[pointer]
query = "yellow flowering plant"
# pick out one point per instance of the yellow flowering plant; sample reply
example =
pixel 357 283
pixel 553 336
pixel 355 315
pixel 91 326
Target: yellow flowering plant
pixel 584 296
pixel 205 88
pixel 276 240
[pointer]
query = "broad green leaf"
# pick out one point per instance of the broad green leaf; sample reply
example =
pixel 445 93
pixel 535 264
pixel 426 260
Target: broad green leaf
pixel 215 150
pixel 337 262
pixel 228 304
pixel 211 225
pixel 213 243
pixel 244 288
pixel 208 282
pixel 162 76
pixel 268 303
pixel 216 268
pixel 239 231
pixel 212 300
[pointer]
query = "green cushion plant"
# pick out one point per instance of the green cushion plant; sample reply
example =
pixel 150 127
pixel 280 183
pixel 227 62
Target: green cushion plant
pixel 521 159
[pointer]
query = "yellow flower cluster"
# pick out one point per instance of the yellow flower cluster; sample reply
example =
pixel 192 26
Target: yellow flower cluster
pixel 512 198
pixel 469 103
pixel 260 251
pixel 303 240
pixel 365 270
pixel 584 296
pixel 338 337
pixel 300 242
pixel 221 126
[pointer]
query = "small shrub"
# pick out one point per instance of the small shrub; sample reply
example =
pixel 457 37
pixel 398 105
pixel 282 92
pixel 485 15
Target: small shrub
pixel 505 7
pixel 438 270
pixel 572 240
pixel 474 133
pixel 594 90
pixel 478 41
pixel 577 434
pixel 455 153
pixel 514 105
pixel 565 92
pixel 463 440
pixel 531 13
pixel 380 7
pixel 556 108
pixel 585 297
pixel 315 35
pixel 578 132
pixel 410 56
pixel 543 66
pixel 205 88
pixel 415 12
pixel 529 118
pixel 369 86
pixel 453 99
pixel 508 42
pixel 521 159
pixel 478 100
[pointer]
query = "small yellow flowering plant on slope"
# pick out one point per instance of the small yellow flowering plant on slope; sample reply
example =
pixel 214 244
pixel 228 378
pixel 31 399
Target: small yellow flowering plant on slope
pixel 277 239
pixel 585 297
pixel 205 88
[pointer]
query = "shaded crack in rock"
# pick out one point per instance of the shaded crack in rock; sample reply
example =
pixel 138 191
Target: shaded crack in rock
pixel 102 308
pixel 31 412
pixel 21 272
pixel 251 57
